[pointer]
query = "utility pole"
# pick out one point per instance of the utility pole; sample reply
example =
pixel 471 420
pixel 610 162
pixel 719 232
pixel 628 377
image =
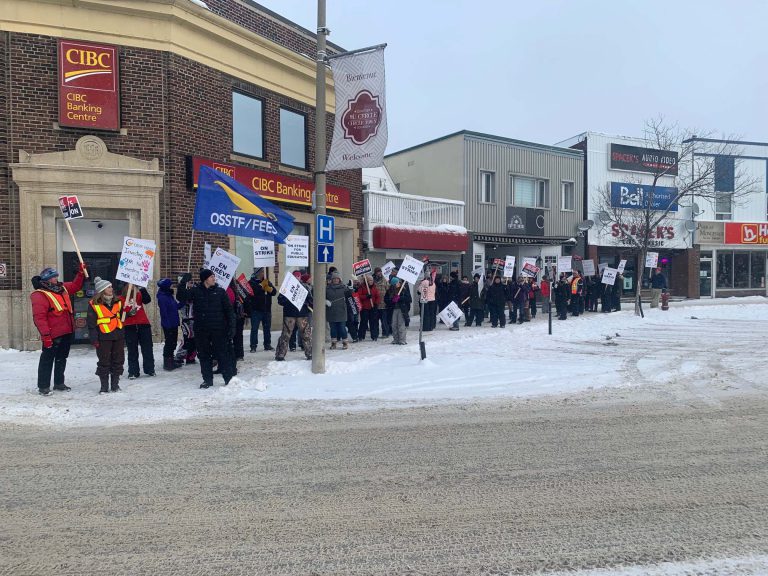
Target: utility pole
pixel 319 270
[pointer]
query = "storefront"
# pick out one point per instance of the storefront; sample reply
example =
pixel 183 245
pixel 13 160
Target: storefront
pixel 489 247
pixel 669 241
pixel 732 258
pixel 113 102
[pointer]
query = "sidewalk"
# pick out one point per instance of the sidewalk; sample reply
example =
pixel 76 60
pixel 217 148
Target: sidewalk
pixel 672 350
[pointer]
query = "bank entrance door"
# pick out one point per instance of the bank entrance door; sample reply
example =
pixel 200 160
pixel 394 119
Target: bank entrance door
pixel 102 264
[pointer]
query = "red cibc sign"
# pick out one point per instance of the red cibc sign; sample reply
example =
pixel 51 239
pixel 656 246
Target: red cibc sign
pixel 89 95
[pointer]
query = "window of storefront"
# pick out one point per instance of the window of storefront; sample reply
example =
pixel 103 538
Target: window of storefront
pixel 293 139
pixel 740 269
pixel 568 193
pixel 757 270
pixel 487 187
pixel 528 192
pixel 724 269
pixel 247 125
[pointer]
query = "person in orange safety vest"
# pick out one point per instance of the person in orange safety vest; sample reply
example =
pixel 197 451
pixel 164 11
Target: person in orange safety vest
pixel 53 317
pixel 105 329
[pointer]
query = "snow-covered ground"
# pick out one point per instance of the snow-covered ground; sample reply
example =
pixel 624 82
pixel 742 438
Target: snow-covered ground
pixel 741 566
pixel 706 348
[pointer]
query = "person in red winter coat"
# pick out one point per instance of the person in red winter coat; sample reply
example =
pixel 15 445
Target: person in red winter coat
pixel 138 332
pixel 369 307
pixel 53 316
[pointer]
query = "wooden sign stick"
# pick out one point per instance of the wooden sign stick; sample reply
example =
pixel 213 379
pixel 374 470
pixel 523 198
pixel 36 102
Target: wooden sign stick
pixel 127 299
pixel 77 248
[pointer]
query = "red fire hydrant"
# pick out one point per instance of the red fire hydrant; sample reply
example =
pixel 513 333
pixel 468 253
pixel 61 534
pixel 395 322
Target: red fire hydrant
pixel 665 300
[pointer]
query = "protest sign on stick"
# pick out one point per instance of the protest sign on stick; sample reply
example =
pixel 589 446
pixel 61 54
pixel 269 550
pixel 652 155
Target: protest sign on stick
pixel 224 265
pixel 70 209
pixel 387 268
pixel 609 276
pixel 564 264
pixel 450 314
pixel 651 259
pixel 410 269
pixel 263 253
pixel 509 267
pixel 135 265
pixel 292 289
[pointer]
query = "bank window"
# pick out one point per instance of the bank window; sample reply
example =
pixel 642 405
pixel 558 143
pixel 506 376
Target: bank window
pixel 529 192
pixel 568 193
pixel 247 125
pixel 487 187
pixel 293 139
pixel 723 205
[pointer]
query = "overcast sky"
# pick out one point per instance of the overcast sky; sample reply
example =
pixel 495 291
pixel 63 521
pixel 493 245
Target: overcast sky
pixel 545 70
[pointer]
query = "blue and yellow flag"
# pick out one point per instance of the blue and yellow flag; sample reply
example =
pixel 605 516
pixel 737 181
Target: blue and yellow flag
pixel 227 207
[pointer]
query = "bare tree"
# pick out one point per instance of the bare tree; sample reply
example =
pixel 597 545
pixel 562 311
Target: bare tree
pixel 691 167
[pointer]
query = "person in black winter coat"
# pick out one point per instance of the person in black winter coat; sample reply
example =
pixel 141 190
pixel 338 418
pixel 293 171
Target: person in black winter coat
pixel 398 299
pixel 562 293
pixel 476 301
pixel 495 297
pixel 454 295
pixel 259 309
pixel 214 325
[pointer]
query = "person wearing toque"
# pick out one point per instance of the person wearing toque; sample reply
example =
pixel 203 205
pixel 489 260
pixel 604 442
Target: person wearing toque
pixel 105 329
pixel 53 316
pixel 215 325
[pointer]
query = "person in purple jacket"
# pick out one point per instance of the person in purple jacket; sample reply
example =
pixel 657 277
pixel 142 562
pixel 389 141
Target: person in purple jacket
pixel 169 320
pixel 520 296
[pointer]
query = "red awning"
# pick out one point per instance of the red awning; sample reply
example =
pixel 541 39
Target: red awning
pixel 419 239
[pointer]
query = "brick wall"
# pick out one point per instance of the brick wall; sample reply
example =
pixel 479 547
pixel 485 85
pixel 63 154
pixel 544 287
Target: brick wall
pixel 263 22
pixel 171 107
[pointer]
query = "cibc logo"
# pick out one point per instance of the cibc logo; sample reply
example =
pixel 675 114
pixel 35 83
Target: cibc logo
pixel 225 169
pixel 88 66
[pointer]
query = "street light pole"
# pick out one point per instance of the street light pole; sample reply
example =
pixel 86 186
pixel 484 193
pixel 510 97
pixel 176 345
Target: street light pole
pixel 319 269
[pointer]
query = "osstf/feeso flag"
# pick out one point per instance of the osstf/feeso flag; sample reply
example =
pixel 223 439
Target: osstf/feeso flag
pixel 360 128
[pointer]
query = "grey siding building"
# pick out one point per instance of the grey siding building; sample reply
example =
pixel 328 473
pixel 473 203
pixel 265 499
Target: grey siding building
pixel 521 199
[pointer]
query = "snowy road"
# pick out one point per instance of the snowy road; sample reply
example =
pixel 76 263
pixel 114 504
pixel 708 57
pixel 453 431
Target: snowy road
pixel 616 447
pixel 707 350
pixel 628 487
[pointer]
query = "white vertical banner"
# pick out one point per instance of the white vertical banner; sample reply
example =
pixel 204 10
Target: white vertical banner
pixel 360 127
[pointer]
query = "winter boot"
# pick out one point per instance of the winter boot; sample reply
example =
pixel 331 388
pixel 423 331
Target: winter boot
pixel 333 345
pixel 104 384
pixel 169 364
pixel 115 382
pixel 345 345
